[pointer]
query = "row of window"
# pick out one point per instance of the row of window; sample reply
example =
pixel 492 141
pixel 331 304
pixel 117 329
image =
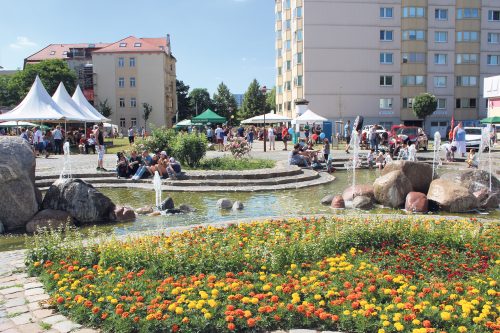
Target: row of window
pixel 439 36
pixel 133 122
pixel 121 82
pixel 460 103
pixel 287 86
pixel 440 14
pixel 297 60
pixel 439 81
pixel 387 58
pixel 297 36
pixel 133 102
pixel 297 13
pixel 121 62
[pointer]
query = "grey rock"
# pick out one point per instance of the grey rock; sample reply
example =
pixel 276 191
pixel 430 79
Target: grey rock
pixel 362 202
pixel 168 203
pixel 124 214
pixel 482 194
pixel 187 208
pixel 81 200
pixel 224 203
pixel 17 182
pixel 338 202
pixel 39 196
pixel 144 210
pixel 173 211
pixel 474 180
pixel 416 202
pixel 327 200
pixel 49 218
pixel 391 189
pixel 238 205
pixel 362 189
pixel 451 197
pixel 491 202
pixel 418 173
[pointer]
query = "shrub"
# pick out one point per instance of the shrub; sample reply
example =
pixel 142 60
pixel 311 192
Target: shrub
pixel 161 138
pixel 189 148
pixel 229 163
pixel 239 147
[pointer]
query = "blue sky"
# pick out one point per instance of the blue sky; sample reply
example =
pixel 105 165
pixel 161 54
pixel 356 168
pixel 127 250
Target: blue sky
pixel 213 40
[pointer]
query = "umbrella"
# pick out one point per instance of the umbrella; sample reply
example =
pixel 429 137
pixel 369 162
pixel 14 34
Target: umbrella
pixel 491 120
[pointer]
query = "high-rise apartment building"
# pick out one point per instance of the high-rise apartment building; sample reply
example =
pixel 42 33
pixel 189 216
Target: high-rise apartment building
pixel 372 57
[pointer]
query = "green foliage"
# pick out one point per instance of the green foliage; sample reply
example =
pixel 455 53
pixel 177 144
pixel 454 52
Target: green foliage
pixel 161 138
pixel 271 100
pixel 189 148
pixel 104 108
pixel 9 94
pixel 148 109
pixel 254 101
pixel 230 163
pixel 183 101
pixel 200 100
pixel 224 101
pixel 424 105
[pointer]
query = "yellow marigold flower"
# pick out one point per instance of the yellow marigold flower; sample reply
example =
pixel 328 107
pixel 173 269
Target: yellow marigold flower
pixel 386 323
pixel 449 308
pixel 346 312
pixel 462 329
pixel 381 330
pixel 279 288
pixel 212 303
pixel 477 320
pixel 445 315
pixel 415 322
pixel 492 283
pixel 399 327
pixel 207 315
pixel 492 292
pixel 179 310
pixel 317 297
pixel 293 266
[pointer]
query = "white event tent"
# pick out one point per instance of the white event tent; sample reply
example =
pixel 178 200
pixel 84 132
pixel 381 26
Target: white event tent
pixel 86 107
pixel 309 117
pixel 63 99
pixel 270 118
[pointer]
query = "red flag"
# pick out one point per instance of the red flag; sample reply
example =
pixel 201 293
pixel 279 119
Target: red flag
pixel 450 135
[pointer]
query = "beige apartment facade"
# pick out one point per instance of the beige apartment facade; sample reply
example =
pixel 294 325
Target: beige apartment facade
pixel 134 71
pixel 372 57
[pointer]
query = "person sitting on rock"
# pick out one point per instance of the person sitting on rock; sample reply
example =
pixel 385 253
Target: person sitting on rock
pixel 122 169
pixel 296 157
pixel 380 160
pixel 144 170
pixel 90 144
pixel 370 158
pixel 403 152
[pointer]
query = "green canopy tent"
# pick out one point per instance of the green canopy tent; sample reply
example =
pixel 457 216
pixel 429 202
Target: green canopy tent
pixel 209 117
pixel 491 120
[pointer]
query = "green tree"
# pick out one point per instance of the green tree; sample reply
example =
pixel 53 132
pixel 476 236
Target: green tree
pixel 104 108
pixel 224 102
pixel 254 101
pixel 200 100
pixel 9 94
pixel 183 100
pixel 51 72
pixel 147 110
pixel 424 105
pixel 271 100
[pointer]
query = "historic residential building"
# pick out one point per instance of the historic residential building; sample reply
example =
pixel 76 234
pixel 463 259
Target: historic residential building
pixel 372 57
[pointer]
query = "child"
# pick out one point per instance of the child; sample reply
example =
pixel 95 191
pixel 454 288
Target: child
pixel 388 158
pixel 403 152
pixel 326 149
pixel 380 161
pixel 472 161
pixel 370 157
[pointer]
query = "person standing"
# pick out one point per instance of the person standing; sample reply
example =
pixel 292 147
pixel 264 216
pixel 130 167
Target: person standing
pixel 284 136
pixel 250 135
pixel 58 140
pixel 272 138
pixel 38 141
pixel 459 138
pixel 210 134
pixel 219 135
pixel 143 132
pixel 131 136
pixel 373 138
pixel 347 135
pixel 98 134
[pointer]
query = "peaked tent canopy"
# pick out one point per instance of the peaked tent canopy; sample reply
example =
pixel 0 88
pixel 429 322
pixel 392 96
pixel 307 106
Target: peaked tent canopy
pixel 85 106
pixel 208 117
pixel 63 99
pixel 36 106
pixel 270 118
pixel 311 117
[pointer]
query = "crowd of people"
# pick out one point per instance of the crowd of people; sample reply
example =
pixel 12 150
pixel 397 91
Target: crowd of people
pixel 144 165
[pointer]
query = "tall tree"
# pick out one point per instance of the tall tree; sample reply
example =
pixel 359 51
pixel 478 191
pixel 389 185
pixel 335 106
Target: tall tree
pixel 254 101
pixel 147 110
pixel 200 100
pixel 424 105
pixel 104 108
pixel 271 100
pixel 224 102
pixel 183 100
pixel 9 93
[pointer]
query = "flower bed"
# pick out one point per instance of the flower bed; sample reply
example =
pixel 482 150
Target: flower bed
pixel 350 274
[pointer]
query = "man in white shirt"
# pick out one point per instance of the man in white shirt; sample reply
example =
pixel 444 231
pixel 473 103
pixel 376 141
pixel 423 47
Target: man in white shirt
pixel 38 140
pixel 58 140
pixel 271 136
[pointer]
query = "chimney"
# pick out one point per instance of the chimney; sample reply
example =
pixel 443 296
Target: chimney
pixel 168 50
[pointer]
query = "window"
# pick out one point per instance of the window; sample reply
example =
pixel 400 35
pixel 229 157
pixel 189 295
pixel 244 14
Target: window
pixel 133 122
pixel 385 103
pixel 278 16
pixel 298 81
pixel 121 82
pixel 386 80
pixel 137 44
pixel 386 58
pixel 280 89
pixel 286 4
pixel 288 106
pixel 441 103
pixel 493 15
pixel 288 44
pixel 123 44
pixel 133 102
pixel 440 59
pixel 441 14
pixel 288 65
pixel 440 81
pixel 413 12
pixel 121 62
pixel 467 36
pixel 122 102
pixel 298 35
pixel 131 62
pixel 298 12
pixel 407 103
pixel 288 24
pixel 413 35
pixel 386 35
pixel 386 12
pixel 414 58
pixel 132 82
pixel 413 80
pixel 278 34
pixel 65 53
pixel 278 53
pixel 493 37
pixel 288 85
pixel 466 81
pixel 465 103
pixel 298 58
pixel 467 13
pixel 91 46
pixel 441 36
pixel 467 58
pixel 493 60
pixel 279 70
pixel 122 122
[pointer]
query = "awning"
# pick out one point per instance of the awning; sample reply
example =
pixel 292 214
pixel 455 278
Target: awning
pixel 209 117
pixel 491 120
pixel 271 118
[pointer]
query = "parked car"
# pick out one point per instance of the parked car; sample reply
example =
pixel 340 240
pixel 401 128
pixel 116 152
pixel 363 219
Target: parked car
pixel 410 134
pixel 473 138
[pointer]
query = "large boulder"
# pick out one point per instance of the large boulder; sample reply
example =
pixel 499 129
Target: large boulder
pixel 124 213
pixel 391 189
pixel 365 190
pixel 416 202
pixel 49 218
pixel 491 202
pixel 2 229
pixel 419 174
pixel 17 182
pixel 81 200
pixel 238 205
pixel 338 202
pixel 327 200
pixel 168 203
pixel 187 208
pixel 474 180
pixel 451 196
pixel 224 203
pixel 362 202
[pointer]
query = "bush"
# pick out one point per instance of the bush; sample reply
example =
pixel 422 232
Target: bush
pixel 239 147
pixel 229 163
pixel 189 148
pixel 161 138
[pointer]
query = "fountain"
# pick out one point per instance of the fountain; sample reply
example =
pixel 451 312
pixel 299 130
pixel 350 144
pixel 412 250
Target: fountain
pixel 66 171
pixel 412 153
pixel 485 144
pixel 437 148
pixel 157 188
pixel 356 162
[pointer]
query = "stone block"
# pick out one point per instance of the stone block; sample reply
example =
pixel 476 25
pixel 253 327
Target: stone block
pixel 34 291
pixel 43 313
pixel 25 318
pixel 54 319
pixel 15 302
pixel 36 298
pixel 10 290
pixel 19 294
pixel 66 326
pixel 17 309
pixel 32 285
pixel 30 328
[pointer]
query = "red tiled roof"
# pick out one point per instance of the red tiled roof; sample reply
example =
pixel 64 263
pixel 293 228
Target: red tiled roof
pixel 134 44
pixel 56 51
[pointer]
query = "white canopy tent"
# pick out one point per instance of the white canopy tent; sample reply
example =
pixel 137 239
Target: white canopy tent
pixel 309 117
pixel 63 99
pixel 17 124
pixel 86 107
pixel 270 118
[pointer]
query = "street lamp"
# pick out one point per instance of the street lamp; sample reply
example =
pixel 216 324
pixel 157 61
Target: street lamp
pixel 264 90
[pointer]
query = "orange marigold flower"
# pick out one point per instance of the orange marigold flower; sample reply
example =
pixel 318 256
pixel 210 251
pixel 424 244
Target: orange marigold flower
pixel 95 310
pixel 60 300
pixel 231 326
pixel 251 322
pixel 426 324
pixel 104 316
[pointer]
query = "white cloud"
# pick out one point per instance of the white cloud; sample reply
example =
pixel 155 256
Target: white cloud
pixel 22 42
